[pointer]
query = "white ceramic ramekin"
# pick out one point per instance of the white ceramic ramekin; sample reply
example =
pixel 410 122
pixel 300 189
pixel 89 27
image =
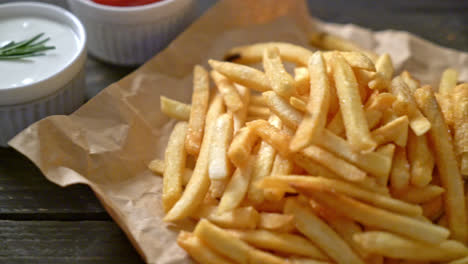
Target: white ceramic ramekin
pixel 61 93
pixel 131 35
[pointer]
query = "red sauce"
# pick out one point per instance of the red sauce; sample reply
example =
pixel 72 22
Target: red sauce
pixel 125 2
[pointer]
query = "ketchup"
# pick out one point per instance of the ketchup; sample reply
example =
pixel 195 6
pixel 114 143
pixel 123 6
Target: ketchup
pixel 125 2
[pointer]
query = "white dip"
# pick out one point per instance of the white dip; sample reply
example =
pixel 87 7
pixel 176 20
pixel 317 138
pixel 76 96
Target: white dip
pixel 14 73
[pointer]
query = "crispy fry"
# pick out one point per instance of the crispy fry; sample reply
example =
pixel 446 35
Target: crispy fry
pixel 157 167
pixel 380 101
pixel 280 242
pixel 317 107
pixel 338 166
pixel 390 245
pixel 229 92
pixel 400 175
pixel 448 81
pixel 198 185
pixel 240 116
pixel 418 123
pixel 357 129
pixel 417 195
pixel 302 80
pixel 421 159
pixel 258 111
pixel 384 66
pixel 241 146
pixel 411 82
pixel 394 131
pixel 280 107
pixel 315 229
pixel 263 165
pixel 382 219
pixel 243 75
pixel 308 184
pixel 280 80
pixel 174 167
pixel 220 167
pixel 199 250
pixel 446 164
pixel 445 102
pixel 276 222
pixel 337 127
pixel 460 115
pixel 242 217
pixel 277 138
pixel 355 59
pixel 175 109
pixel 298 103
pixel 237 187
pixel 200 98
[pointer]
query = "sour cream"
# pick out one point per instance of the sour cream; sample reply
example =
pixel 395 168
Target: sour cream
pixel 17 73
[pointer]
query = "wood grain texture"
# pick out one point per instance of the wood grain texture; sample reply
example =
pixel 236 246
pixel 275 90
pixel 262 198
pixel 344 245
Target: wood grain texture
pixel 82 242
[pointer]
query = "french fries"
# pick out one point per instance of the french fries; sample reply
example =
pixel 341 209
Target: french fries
pixel 175 109
pixel 174 166
pixel 357 129
pixel 334 165
pixel 446 163
pixel 317 107
pixel 200 99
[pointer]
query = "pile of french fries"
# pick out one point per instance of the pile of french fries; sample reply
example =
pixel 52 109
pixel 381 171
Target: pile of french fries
pixel 336 161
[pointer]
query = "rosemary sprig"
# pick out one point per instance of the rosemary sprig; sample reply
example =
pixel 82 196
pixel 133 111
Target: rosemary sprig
pixel 27 48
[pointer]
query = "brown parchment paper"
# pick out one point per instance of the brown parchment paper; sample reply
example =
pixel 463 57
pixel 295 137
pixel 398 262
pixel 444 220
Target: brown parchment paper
pixel 109 141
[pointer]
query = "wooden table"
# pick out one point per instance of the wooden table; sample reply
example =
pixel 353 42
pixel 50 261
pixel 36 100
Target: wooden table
pixel 43 223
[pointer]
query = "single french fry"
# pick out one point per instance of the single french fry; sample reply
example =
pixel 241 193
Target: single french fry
pixel 157 167
pixel 302 80
pixel 446 163
pixel 433 209
pixel 280 80
pixel 382 219
pixel 237 187
pixel 229 92
pixel 417 195
pixel 357 129
pixel 400 175
pixel 384 65
pixel 280 107
pixel 446 104
pixel 298 103
pixel 389 115
pixel 242 217
pixel 262 165
pixel 199 251
pixel 336 125
pixel 421 159
pixel 240 116
pixel 276 222
pixel 200 100
pixel 258 111
pixel 280 242
pixel 395 131
pixel 355 59
pixel 340 167
pixel 281 166
pixel 308 184
pixel 258 100
pixel 199 183
pixel 448 81
pixel 374 163
pixel 277 138
pixel 220 167
pixel 460 116
pixel 318 231
pixel 391 245
pixel 241 146
pixel 410 81
pixel 380 101
pixel 175 157
pixel 317 107
pixel 243 75
pixel 418 123
pixel 175 109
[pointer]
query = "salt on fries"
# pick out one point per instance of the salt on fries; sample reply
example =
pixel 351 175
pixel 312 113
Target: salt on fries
pixel 342 162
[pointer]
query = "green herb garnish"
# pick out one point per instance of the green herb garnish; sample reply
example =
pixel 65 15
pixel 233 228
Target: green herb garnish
pixel 27 48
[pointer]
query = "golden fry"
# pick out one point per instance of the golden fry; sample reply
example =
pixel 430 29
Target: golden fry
pixel 421 159
pixel 199 250
pixel 460 115
pixel 258 100
pixel 229 92
pixel 410 81
pixel 240 116
pixel 302 80
pixel 395 131
pixel 448 81
pixel 276 222
pixel 175 109
pixel 258 111
pixel 280 81
pixel 277 138
pixel 242 217
pixel 174 166
pixel 400 174
pixel 298 103
pixel 446 163
pixel 417 195
pixel 241 146
pixel 280 107
pixel 433 209
pixel 200 99
pixel 317 107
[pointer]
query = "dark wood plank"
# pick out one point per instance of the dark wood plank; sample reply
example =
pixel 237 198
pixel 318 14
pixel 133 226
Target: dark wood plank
pixel 86 242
